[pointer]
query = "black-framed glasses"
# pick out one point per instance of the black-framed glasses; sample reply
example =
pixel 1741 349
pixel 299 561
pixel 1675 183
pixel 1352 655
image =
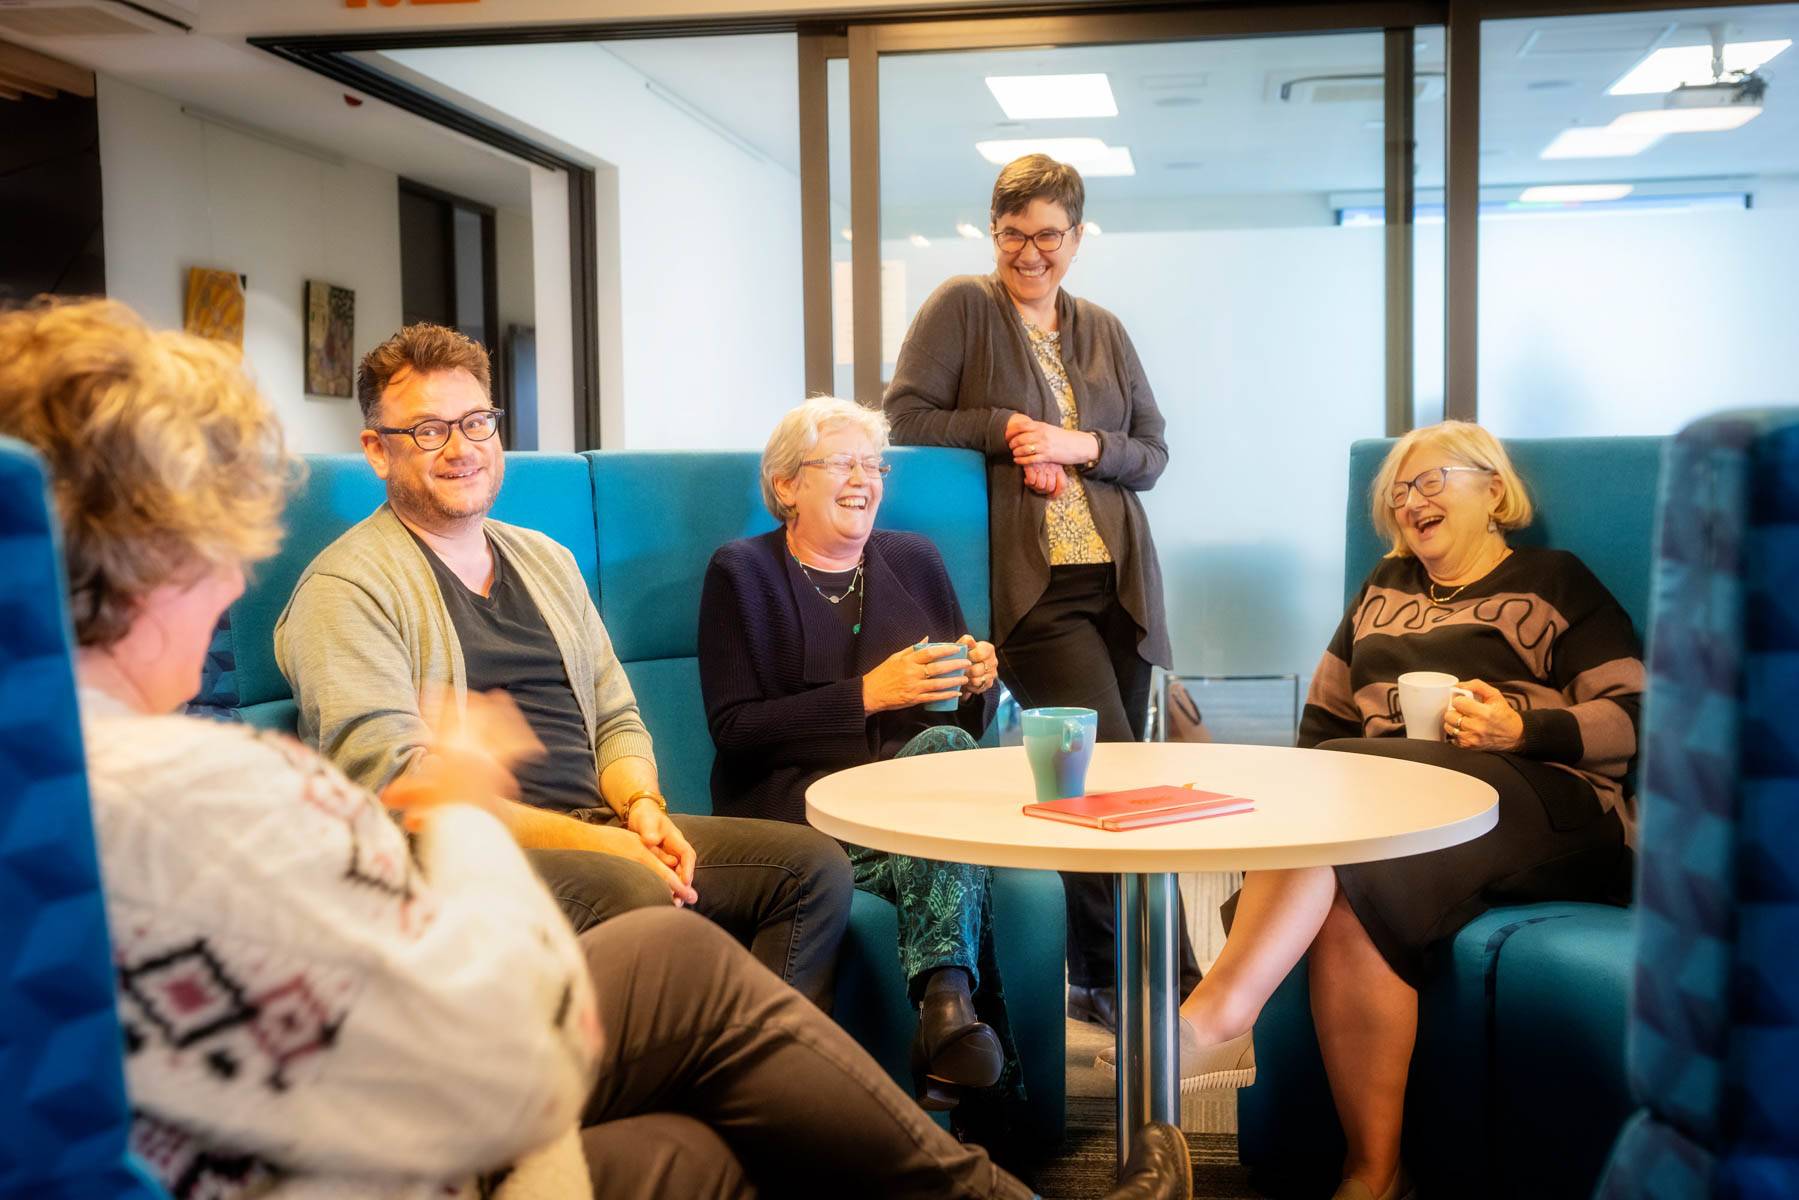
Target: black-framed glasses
pixel 1011 241
pixel 434 434
pixel 1428 483
pixel 841 466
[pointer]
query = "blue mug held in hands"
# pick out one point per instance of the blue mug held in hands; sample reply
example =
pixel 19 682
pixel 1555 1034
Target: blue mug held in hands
pixel 1059 744
pixel 953 702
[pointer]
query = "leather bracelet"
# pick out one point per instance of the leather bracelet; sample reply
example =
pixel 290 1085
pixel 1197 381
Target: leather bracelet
pixel 644 794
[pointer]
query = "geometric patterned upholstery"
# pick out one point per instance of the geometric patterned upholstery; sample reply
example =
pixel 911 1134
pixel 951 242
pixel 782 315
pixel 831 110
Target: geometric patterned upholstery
pixel 1714 1022
pixel 63 1110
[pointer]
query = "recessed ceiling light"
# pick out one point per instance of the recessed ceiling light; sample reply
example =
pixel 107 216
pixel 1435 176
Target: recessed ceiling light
pixel 968 231
pixel 1598 141
pixel 1675 66
pixel 919 240
pixel 1574 193
pixel 1088 155
pixel 1049 97
pixel 1092 227
pixel 845 232
pixel 1687 120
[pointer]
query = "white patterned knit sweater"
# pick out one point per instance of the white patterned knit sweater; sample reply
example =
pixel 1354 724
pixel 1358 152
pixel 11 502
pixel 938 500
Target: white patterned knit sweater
pixel 310 1010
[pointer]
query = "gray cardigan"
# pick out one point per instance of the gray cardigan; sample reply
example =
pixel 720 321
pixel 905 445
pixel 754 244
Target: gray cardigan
pixel 966 366
pixel 367 630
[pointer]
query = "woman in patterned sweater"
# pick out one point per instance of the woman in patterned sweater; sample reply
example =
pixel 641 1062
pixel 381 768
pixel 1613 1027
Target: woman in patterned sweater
pixel 1556 676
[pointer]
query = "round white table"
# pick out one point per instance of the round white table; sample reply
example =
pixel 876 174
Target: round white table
pixel 1313 808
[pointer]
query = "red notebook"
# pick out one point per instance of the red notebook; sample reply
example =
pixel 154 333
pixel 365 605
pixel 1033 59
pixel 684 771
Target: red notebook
pixel 1140 807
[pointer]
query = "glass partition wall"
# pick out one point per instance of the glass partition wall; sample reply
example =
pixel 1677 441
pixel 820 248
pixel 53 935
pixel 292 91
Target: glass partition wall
pixel 1229 182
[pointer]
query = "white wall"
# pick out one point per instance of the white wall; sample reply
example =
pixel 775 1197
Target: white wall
pixel 180 193
pixel 553 302
pixel 708 340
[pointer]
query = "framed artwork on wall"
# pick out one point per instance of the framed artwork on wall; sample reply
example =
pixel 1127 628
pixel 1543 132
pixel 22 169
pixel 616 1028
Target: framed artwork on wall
pixel 215 305
pixel 330 334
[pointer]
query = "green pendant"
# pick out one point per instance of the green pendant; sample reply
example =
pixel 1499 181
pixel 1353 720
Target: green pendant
pixel 856 628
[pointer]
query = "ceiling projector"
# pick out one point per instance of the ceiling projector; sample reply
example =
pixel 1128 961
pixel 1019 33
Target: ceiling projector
pixel 1746 89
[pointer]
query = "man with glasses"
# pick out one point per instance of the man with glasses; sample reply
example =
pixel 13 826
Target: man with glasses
pixel 430 597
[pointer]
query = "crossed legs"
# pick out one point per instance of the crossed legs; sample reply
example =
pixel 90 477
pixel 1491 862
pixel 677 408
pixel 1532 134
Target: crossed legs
pixel 1367 1016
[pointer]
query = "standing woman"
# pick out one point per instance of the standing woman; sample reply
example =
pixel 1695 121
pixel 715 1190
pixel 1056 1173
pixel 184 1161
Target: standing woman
pixel 1049 388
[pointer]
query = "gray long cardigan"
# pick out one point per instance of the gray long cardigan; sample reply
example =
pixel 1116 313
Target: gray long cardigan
pixel 966 366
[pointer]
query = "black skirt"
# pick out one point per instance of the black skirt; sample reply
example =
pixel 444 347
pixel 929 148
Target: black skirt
pixel 1552 842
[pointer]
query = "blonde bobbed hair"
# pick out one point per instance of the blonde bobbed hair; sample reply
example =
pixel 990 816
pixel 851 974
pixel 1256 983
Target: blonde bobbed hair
pixel 1464 443
pixel 164 460
pixel 798 431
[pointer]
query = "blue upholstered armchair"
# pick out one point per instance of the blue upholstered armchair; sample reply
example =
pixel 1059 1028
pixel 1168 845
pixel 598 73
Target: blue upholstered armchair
pixel 63 1113
pixel 1518 1083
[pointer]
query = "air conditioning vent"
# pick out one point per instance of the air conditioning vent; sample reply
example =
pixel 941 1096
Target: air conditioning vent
pixel 1361 88
pixel 79 18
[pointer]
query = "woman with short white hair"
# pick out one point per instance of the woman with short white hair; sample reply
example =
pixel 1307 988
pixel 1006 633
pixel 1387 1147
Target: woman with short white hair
pixel 821 645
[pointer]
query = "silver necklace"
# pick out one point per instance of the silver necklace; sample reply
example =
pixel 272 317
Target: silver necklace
pixel 855 586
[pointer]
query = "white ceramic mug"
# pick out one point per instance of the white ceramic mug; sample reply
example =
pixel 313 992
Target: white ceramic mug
pixel 1424 698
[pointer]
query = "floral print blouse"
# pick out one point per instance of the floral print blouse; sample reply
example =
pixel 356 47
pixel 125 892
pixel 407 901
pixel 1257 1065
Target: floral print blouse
pixel 1073 538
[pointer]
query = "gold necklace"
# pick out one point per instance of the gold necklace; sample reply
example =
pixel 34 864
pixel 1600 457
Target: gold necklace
pixel 1430 588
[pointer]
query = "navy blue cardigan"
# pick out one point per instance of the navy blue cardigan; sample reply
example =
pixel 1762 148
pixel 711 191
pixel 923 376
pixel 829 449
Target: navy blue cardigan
pixel 781 711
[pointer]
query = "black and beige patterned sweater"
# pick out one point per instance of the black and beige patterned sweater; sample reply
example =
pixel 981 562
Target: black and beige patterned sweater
pixel 1540 627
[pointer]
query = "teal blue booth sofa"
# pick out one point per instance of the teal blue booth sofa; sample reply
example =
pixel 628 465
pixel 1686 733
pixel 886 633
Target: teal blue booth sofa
pixel 642 526
pixel 1518 1084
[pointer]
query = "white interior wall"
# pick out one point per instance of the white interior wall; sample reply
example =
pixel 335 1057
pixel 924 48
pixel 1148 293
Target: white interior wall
pixel 707 335
pixel 180 192
pixel 552 301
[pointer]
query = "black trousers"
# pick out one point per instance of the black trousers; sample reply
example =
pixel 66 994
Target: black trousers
pixel 781 890
pixel 1078 647
pixel 716 1080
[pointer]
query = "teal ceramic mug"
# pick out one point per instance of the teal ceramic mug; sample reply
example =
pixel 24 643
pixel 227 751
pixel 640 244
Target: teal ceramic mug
pixel 953 702
pixel 1059 744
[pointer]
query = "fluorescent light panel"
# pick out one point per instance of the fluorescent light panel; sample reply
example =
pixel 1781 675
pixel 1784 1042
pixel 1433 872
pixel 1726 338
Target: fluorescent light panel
pixel 1659 121
pixel 919 240
pixel 1598 141
pixel 1052 97
pixel 1674 66
pixel 969 231
pixel 1088 155
pixel 1574 193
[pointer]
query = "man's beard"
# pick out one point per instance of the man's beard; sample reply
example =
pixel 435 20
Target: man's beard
pixel 419 500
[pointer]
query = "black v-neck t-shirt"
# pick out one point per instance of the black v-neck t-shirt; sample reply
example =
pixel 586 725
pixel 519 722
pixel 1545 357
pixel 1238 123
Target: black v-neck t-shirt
pixel 506 644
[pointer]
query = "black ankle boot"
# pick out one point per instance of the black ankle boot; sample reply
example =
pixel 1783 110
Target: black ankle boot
pixel 1158 1168
pixel 1097 1006
pixel 953 1049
